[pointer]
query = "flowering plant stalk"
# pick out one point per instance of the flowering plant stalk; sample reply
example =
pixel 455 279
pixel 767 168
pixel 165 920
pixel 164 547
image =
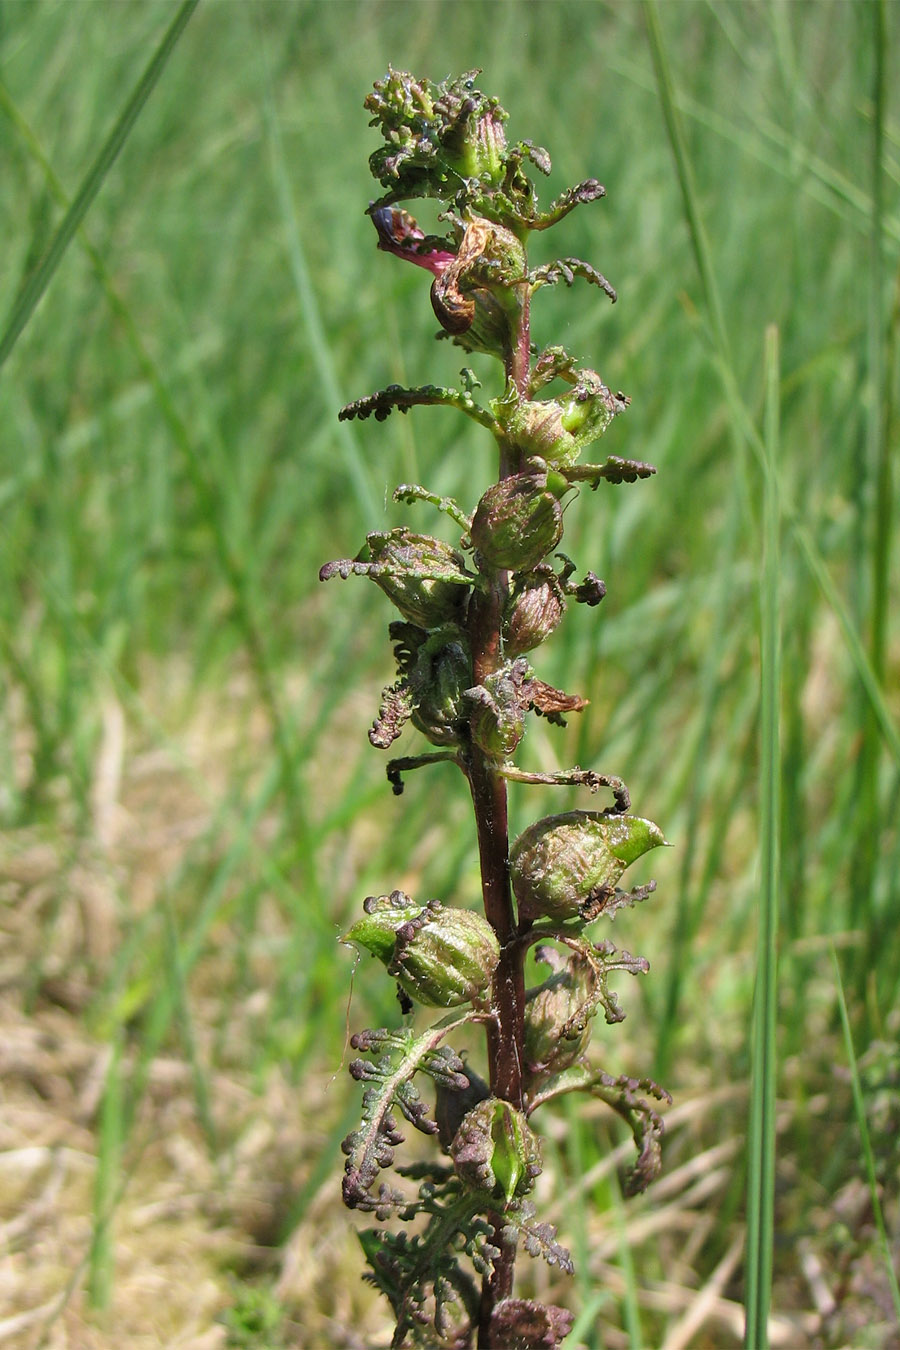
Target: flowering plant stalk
pixel 469 616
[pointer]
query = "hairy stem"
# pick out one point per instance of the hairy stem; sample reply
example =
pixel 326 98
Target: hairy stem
pixel 506 1030
pixel 518 360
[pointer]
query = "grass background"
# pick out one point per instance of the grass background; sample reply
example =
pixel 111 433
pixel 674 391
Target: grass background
pixel 191 811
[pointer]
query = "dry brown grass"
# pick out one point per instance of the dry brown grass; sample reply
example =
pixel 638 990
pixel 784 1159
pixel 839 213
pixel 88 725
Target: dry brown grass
pixel 195 1224
pixel 188 1221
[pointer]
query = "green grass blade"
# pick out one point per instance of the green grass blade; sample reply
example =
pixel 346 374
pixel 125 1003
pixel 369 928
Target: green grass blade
pixel 360 478
pixel 742 419
pixel 631 1311
pixel 588 1317
pixel 871 558
pixel 40 278
pixel 815 563
pixel 692 788
pixel 684 170
pixel 776 149
pixel 179 995
pixel 761 1134
pixel 878 401
pixel 236 570
pixel 870 682
pixel 865 1140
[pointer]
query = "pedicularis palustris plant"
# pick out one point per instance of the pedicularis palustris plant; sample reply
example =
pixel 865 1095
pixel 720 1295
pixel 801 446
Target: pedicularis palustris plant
pixel 469 618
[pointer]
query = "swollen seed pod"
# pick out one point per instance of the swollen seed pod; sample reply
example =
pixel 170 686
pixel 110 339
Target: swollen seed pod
pixel 442 957
pixel 438 679
pixel 497 723
pixel 557 1003
pixel 477 297
pixel 422 576
pixel 563 865
pixel 497 733
pixel 530 616
pixel 517 523
pixel 496 1153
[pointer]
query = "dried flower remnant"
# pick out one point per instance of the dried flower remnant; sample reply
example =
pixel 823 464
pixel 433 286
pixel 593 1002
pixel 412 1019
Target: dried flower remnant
pixel 468 615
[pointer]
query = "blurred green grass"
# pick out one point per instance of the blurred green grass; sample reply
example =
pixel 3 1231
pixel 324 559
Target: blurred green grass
pixel 173 475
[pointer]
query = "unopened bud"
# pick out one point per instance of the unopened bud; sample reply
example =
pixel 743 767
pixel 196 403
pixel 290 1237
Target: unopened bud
pixel 496 1153
pixel 484 141
pixel 442 957
pixel 565 866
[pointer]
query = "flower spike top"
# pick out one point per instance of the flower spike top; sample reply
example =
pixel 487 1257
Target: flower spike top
pixel 441 139
pixel 447 141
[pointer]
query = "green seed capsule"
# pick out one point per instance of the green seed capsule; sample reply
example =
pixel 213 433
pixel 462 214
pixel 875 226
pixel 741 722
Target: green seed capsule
pixel 558 429
pixel 442 957
pixel 496 1153
pixel 497 723
pixel 563 865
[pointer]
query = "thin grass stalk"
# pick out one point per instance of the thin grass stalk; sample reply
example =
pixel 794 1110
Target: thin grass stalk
pixel 692 790
pixel 685 172
pixel 876 412
pixel 163 1008
pixel 227 811
pixel 630 1298
pixel 107 1181
pixel 175 973
pixel 92 182
pixel 587 1319
pixel 573 1162
pixel 870 814
pixel 859 1107
pixel 872 480
pixel 741 739
pixel 319 345
pixel 796 748
pixel 761 1133
pixel 818 570
pixel 777 149
pixel 882 931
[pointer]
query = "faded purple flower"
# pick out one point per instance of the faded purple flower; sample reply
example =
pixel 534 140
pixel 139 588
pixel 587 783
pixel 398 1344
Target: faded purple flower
pixel 399 234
